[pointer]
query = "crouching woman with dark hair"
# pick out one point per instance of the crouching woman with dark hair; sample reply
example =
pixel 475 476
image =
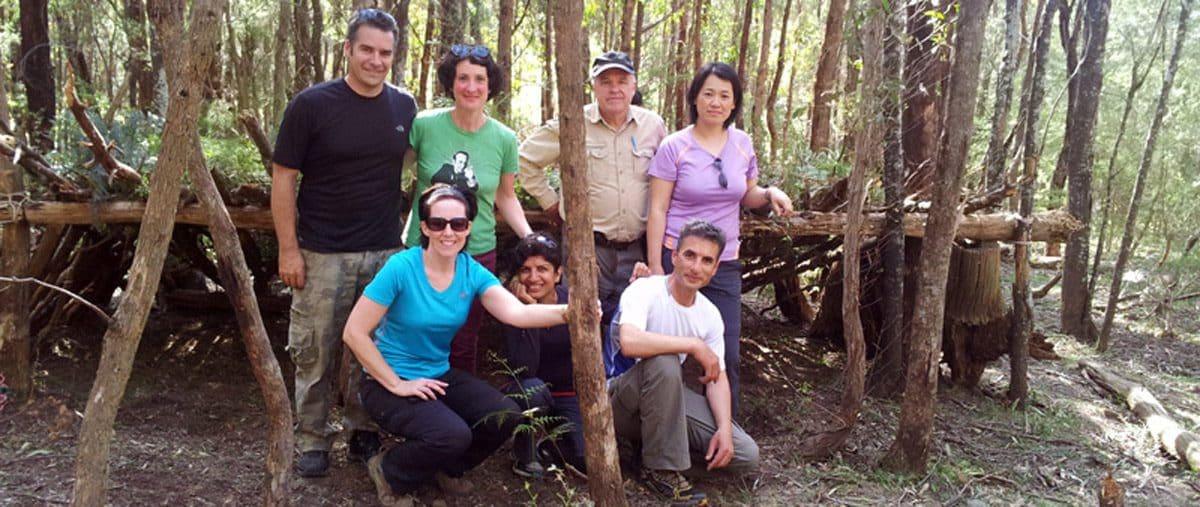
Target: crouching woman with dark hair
pixel 400 330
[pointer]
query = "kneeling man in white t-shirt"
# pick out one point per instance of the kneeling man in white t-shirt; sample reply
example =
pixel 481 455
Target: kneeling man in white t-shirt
pixel 660 322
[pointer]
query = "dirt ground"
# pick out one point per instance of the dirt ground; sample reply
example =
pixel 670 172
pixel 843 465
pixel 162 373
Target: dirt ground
pixel 191 428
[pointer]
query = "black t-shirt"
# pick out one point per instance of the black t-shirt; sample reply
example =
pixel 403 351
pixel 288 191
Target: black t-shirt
pixel 542 353
pixel 350 150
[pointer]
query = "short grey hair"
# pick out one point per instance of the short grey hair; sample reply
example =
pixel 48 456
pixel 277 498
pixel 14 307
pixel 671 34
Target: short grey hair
pixel 703 229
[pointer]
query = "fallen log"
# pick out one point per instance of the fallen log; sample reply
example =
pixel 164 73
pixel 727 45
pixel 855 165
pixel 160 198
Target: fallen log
pixel 1178 442
pixel 1048 226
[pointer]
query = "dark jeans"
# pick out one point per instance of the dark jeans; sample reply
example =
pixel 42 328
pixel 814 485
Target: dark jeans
pixel 535 393
pixel 725 291
pixel 453 433
pixel 464 346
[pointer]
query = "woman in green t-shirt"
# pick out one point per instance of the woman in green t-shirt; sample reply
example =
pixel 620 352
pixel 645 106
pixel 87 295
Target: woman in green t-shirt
pixel 463 147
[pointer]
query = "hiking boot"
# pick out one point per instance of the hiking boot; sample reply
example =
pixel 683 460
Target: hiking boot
pixel 453 485
pixel 363 445
pixel 672 487
pixel 387 498
pixel 313 464
pixel 530 470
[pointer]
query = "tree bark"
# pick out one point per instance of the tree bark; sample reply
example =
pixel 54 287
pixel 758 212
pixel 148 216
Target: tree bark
pixel 452 22
pixel 281 71
pixel 37 72
pixel 1160 111
pixel 604 474
pixel 121 340
pixel 16 344
pixel 744 42
pixel 760 77
pixel 426 54
pixel 504 58
pixel 548 63
pixel 625 41
pixel 1076 314
pixel 637 34
pixel 997 150
pixel 909 452
pixel 826 77
pixel 772 124
pixel 924 81
pixel 400 63
pixel 867 157
pixel 302 61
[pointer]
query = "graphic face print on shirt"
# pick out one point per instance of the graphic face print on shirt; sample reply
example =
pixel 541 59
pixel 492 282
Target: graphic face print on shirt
pixel 458 173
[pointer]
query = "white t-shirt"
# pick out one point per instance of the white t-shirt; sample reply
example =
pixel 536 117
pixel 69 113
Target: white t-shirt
pixel 647 305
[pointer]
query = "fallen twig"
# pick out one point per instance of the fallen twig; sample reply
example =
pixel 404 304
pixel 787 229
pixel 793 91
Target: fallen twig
pixel 72 295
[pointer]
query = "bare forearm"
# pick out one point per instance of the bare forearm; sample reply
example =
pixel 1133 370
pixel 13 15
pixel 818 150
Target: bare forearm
pixel 508 309
pixel 368 355
pixel 283 207
pixel 720 402
pixel 637 343
pixel 514 216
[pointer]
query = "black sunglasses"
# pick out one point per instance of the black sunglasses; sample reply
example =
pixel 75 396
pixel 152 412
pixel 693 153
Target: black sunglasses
pixel 463 50
pixel 721 179
pixel 436 224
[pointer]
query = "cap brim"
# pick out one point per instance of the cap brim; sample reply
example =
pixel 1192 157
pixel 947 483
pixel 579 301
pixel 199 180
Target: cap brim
pixel 596 71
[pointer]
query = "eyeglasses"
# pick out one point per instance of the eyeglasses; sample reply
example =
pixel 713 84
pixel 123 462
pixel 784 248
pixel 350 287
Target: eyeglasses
pixel 437 224
pixel 463 51
pixel 721 179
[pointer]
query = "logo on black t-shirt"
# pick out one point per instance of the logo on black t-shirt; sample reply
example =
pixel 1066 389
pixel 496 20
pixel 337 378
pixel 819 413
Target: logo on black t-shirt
pixel 458 173
pixel 400 128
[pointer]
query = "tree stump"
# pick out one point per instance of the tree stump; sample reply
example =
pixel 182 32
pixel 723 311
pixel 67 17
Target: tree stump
pixel 976 327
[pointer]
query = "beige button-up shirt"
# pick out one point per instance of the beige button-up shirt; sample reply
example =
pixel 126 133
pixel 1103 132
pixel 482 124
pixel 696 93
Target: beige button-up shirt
pixel 618 160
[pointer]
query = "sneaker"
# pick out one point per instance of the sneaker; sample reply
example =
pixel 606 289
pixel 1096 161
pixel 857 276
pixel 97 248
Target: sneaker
pixel 363 445
pixel 313 464
pixel 453 485
pixel 530 470
pixel 672 487
pixel 387 497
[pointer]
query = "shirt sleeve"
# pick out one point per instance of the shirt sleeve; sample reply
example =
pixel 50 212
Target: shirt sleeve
pixel 663 166
pixel 291 142
pixel 385 288
pixel 540 150
pixel 480 276
pixel 634 305
pixel 752 164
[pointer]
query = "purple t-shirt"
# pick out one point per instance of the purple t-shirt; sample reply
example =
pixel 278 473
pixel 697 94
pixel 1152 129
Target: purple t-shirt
pixel 698 192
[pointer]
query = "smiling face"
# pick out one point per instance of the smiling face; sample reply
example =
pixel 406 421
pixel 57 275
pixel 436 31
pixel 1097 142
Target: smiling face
pixel 447 242
pixel 614 89
pixel 696 260
pixel 369 59
pixel 470 86
pixel 715 101
pixel 539 277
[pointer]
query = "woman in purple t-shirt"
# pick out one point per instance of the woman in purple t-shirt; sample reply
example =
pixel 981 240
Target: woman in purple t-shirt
pixel 709 170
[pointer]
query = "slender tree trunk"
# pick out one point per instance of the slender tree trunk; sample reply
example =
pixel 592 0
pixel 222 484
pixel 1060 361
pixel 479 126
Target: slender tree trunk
pixel 625 42
pixel 924 82
pixel 826 77
pixel 194 57
pixel 1022 323
pixel 504 58
pixel 316 46
pixel 772 123
pixel 744 41
pixel 427 54
pixel 604 476
pixel 16 345
pixel 279 89
pixel 548 63
pixel 852 53
pixel 37 72
pixel 301 40
pixel 400 63
pixel 638 35
pixel 453 22
pixel 1076 302
pixel 888 369
pixel 1160 111
pixel 997 151
pixel 698 12
pixel 679 55
pixel 761 76
pixel 909 452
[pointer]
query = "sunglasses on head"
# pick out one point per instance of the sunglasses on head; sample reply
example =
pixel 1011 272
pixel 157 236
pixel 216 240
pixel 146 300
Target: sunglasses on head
pixel 463 51
pixel 436 224
pixel 721 179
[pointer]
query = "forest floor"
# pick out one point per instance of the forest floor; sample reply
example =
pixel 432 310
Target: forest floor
pixel 191 428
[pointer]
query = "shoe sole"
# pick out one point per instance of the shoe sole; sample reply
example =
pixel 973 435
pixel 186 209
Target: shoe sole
pixel 527 474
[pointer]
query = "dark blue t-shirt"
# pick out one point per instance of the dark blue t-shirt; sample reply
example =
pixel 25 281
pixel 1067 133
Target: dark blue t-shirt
pixel 542 353
pixel 350 150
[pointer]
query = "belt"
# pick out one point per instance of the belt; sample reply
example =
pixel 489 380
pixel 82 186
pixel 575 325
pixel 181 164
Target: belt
pixel 603 241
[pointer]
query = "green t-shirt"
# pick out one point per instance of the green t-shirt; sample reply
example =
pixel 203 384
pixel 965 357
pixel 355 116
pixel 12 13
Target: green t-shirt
pixel 471 161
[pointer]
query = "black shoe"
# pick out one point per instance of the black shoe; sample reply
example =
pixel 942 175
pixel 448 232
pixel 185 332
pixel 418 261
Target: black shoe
pixel 363 445
pixel 313 464
pixel 671 486
pixel 530 470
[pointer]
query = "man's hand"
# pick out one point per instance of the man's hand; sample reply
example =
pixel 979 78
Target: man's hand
pixel 640 270
pixel 720 449
pixel 553 216
pixel 518 289
pixel 708 360
pixel 291 268
pixel 424 388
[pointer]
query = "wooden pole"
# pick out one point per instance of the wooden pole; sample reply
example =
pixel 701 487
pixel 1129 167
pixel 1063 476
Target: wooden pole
pixel 195 58
pixel 604 472
pixel 15 343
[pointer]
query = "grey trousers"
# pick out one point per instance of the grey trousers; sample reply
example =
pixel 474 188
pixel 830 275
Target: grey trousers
pixel 672 423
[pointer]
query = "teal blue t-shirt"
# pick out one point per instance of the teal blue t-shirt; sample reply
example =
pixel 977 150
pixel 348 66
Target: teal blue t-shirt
pixel 414 336
pixel 471 161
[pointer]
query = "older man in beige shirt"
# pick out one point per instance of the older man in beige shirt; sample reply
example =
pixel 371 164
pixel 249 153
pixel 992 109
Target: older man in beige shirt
pixel 621 141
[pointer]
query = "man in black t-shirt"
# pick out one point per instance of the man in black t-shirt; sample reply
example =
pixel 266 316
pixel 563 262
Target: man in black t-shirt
pixel 348 137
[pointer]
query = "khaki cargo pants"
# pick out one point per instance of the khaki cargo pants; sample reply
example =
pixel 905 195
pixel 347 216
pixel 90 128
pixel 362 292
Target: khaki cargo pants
pixel 333 283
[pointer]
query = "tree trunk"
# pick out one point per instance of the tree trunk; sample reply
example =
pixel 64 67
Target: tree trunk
pixel 761 75
pixel 637 35
pixel 281 71
pixel 909 452
pixel 888 369
pixel 772 124
pixel 924 80
pixel 744 43
pixel 16 345
pixel 867 157
pixel 997 150
pixel 826 77
pixel 426 54
pixel 625 42
pixel 548 63
pixel 301 39
pixel 452 22
pixel 504 58
pixel 37 72
pixel 194 58
pixel 604 474
pixel 679 57
pixel 1076 302
pixel 400 63
pixel 1160 110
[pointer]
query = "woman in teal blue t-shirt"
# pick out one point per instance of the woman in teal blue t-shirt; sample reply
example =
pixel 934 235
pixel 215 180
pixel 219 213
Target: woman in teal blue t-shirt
pixel 400 331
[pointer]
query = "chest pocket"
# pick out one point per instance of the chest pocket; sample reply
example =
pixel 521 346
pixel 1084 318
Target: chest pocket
pixel 597 151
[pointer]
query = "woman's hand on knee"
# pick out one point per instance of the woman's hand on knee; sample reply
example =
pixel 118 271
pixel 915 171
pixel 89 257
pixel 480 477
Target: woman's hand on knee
pixel 424 388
